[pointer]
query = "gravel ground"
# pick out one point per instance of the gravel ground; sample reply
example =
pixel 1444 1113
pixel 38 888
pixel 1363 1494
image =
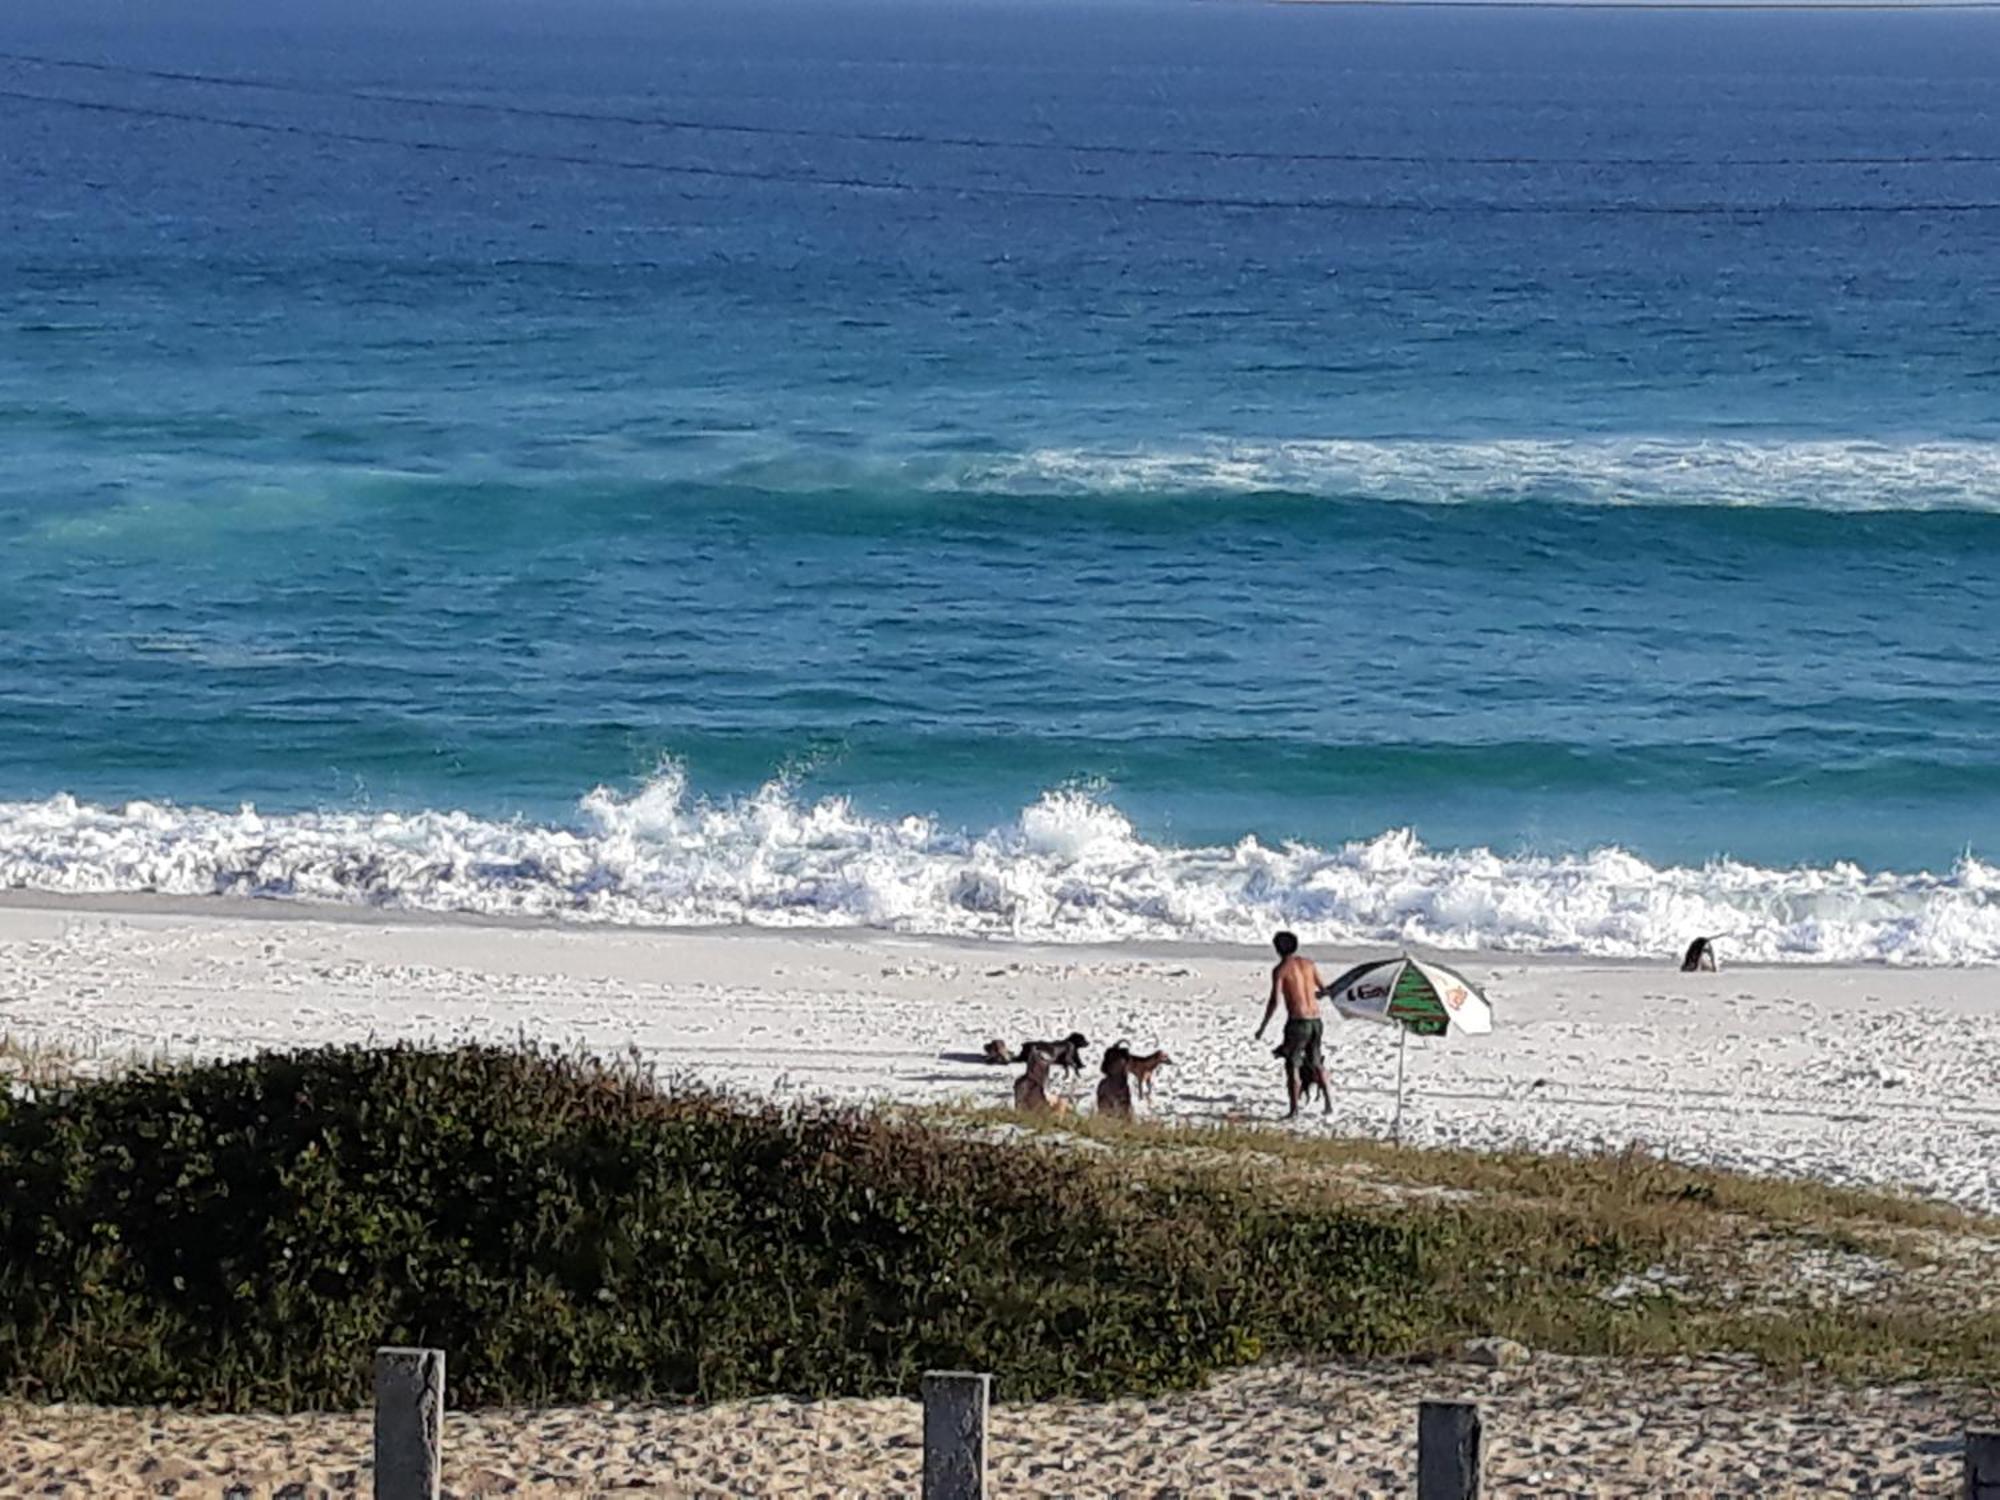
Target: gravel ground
pixel 1554 1426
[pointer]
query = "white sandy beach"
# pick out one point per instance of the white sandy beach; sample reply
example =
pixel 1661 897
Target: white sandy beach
pixel 1853 1075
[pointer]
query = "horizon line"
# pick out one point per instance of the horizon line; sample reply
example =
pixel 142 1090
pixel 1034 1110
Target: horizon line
pixel 1878 6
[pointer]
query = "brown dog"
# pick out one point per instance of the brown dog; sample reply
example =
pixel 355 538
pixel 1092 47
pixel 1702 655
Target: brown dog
pixel 1031 1089
pixel 1142 1070
pixel 1314 1078
pixel 998 1051
pixel 1310 1078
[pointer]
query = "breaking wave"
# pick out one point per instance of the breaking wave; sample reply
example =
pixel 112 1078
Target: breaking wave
pixel 1817 475
pixel 1069 868
pixel 1837 475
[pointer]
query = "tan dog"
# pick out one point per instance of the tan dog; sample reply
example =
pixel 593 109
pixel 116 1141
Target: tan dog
pixel 1142 1070
pixel 1031 1089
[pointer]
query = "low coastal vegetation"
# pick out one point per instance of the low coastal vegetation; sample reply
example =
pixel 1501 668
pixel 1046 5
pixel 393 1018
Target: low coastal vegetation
pixel 245 1233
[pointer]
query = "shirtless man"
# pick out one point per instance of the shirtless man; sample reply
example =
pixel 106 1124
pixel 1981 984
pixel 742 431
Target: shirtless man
pixel 1296 982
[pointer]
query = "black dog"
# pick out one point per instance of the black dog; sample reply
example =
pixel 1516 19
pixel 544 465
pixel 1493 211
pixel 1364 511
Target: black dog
pixel 1066 1054
pixel 1114 1094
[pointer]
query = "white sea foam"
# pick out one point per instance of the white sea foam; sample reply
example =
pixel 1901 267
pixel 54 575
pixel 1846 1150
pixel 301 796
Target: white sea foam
pixel 1071 867
pixel 1820 475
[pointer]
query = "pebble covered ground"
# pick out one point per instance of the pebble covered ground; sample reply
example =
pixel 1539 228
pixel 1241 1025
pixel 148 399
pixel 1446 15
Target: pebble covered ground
pixel 1554 1427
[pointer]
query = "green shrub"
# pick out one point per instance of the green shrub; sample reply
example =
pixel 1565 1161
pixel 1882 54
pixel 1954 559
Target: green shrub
pixel 246 1233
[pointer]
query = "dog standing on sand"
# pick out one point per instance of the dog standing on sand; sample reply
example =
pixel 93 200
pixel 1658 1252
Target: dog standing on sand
pixel 1315 1079
pixel 1142 1069
pixel 1114 1093
pixel 1066 1054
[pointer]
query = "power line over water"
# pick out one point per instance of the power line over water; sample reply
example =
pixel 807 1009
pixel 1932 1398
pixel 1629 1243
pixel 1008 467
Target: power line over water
pixel 696 125
pixel 850 183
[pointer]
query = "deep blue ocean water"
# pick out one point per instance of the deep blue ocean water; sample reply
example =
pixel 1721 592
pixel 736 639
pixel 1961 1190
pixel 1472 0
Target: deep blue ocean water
pixel 1091 469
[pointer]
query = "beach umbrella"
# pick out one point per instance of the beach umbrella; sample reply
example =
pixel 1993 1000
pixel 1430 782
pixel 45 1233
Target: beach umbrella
pixel 1413 996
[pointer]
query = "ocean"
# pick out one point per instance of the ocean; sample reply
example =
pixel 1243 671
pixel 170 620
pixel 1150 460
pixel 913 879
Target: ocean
pixel 1515 479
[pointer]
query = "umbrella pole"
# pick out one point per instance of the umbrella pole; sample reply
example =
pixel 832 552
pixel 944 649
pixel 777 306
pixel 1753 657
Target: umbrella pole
pixel 1402 1040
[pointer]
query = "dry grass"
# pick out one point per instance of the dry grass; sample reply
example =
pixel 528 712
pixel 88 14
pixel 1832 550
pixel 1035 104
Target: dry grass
pixel 39 1063
pixel 1873 1285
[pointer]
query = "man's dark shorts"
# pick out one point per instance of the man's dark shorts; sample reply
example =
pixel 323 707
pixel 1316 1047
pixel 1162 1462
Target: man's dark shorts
pixel 1301 1047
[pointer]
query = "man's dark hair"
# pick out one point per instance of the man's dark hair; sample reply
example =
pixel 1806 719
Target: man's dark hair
pixel 1286 943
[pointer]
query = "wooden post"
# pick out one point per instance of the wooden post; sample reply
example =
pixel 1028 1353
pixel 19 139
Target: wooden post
pixel 1982 1464
pixel 1448 1451
pixel 409 1423
pixel 955 1434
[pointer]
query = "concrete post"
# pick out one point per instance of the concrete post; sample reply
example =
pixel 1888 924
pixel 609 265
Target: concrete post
pixel 1448 1451
pixel 955 1434
pixel 409 1423
pixel 1982 1464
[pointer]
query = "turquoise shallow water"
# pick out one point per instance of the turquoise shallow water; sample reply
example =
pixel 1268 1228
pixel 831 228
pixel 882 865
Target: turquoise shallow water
pixel 972 469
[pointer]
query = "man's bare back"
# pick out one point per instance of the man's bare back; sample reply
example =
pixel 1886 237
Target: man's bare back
pixel 1296 981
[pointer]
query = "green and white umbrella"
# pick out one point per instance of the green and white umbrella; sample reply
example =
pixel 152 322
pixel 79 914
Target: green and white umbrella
pixel 1413 996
